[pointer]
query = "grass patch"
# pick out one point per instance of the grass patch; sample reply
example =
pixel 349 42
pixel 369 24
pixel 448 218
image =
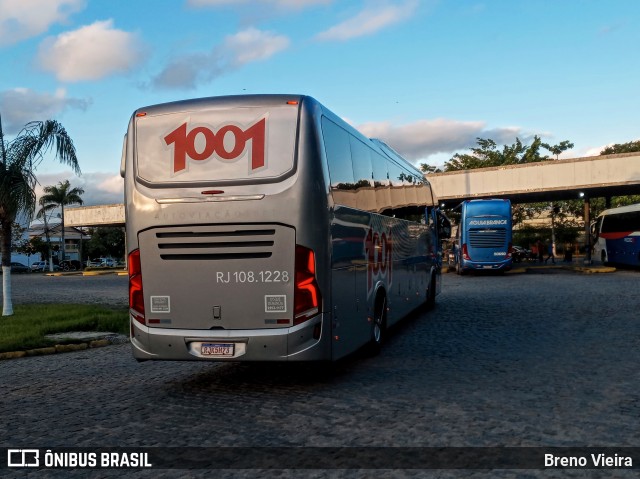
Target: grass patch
pixel 30 323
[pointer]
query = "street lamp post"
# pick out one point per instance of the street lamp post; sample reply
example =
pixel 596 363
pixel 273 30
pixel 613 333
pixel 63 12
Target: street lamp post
pixel 587 228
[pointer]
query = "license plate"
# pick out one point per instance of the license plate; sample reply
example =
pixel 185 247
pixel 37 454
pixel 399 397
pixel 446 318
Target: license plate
pixel 219 350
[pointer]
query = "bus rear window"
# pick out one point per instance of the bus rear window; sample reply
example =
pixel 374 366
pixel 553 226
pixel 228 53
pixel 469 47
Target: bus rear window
pixel 239 145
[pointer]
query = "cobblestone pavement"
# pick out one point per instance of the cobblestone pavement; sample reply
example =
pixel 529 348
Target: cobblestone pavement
pixel 513 360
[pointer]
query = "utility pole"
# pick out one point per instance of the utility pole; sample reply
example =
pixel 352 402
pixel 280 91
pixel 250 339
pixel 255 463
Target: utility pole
pixel 587 229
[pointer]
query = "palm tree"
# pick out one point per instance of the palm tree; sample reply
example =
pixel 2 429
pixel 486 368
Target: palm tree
pixel 61 195
pixel 18 160
pixel 42 213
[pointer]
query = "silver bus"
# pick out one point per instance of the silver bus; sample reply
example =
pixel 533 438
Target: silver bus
pixel 266 228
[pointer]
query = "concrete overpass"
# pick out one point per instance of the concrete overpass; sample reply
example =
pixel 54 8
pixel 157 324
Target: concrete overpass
pixel 100 215
pixel 594 176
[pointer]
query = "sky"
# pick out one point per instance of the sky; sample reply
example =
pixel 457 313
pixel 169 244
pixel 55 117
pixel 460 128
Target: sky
pixel 426 76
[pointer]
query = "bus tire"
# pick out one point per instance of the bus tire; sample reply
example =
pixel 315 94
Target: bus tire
pixel 603 257
pixel 379 324
pixel 431 294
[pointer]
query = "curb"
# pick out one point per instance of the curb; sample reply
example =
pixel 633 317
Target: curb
pixel 87 273
pixel 103 273
pixel 63 348
pixel 573 268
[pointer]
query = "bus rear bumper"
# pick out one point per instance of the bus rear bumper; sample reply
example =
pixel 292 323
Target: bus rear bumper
pixel 478 266
pixel 309 341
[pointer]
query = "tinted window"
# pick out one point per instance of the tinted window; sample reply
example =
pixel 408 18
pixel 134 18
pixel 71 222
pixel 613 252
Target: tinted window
pixel 621 222
pixel 361 157
pixel 336 144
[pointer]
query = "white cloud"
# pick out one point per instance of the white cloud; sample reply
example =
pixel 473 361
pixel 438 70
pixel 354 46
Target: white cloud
pixel 99 188
pixel 246 46
pixel 252 45
pixel 22 105
pixel 369 21
pixel 297 4
pixel 22 19
pixel 90 53
pixel 425 138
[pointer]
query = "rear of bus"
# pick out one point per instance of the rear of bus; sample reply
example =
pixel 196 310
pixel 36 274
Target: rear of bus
pixel 485 233
pixel 226 233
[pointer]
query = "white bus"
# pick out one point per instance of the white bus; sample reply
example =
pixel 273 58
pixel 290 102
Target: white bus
pixel 617 235
pixel 265 228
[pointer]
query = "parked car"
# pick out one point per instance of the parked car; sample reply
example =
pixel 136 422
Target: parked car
pixel 107 262
pixel 521 254
pixel 18 268
pixel 42 266
pixel 101 263
pixel 70 265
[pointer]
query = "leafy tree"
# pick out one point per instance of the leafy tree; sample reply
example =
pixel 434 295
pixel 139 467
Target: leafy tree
pixel 43 214
pixel 629 147
pixel 559 148
pixel 488 154
pixel 19 159
pixel 34 246
pixel 105 241
pixel 426 168
pixel 61 195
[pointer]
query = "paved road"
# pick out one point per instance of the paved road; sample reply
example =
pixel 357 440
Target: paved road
pixel 515 360
pixel 109 289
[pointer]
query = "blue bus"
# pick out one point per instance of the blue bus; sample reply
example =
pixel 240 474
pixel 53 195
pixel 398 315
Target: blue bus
pixel 617 232
pixel 483 240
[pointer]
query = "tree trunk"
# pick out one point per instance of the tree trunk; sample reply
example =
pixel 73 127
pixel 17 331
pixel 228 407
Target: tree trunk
pixel 7 305
pixel 61 254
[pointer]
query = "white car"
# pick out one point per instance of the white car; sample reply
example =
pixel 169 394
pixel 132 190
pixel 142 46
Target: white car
pixel 42 266
pixel 107 262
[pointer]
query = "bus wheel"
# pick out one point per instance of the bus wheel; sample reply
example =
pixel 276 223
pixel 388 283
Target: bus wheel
pixel 431 294
pixel 603 257
pixel 378 325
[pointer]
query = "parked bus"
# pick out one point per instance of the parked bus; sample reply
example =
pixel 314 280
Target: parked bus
pixel 483 239
pixel 266 228
pixel 617 235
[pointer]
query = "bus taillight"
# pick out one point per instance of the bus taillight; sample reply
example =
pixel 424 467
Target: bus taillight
pixel 509 251
pixel 465 252
pixel 307 293
pixel 136 298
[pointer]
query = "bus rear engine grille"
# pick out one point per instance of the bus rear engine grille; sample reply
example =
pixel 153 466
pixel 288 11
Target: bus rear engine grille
pixel 215 245
pixel 493 238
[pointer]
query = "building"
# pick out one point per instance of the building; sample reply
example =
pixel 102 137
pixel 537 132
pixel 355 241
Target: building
pixel 72 238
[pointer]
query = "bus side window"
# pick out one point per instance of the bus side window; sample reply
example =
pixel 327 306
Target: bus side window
pixel 396 177
pixel 363 175
pixel 338 150
pixel 381 183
